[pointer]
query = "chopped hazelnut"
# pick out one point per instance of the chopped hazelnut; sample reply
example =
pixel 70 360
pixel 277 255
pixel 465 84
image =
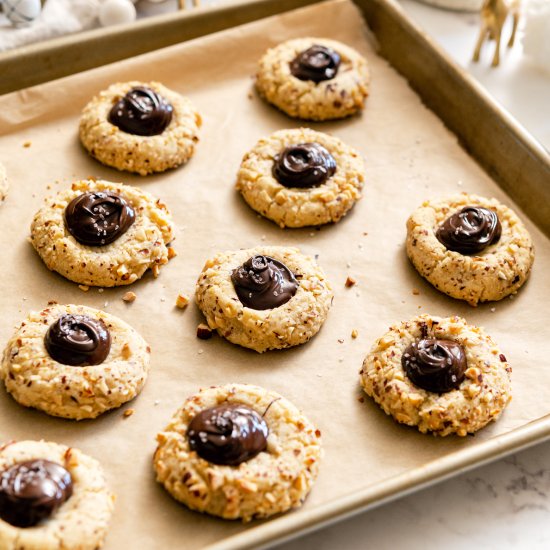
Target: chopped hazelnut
pixel 127 413
pixel 204 332
pixel 171 253
pixel 350 281
pixel 182 301
pixel 126 351
pixel 129 296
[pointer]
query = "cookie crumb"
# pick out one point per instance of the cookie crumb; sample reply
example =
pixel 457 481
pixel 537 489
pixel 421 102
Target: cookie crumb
pixel 84 288
pixel 340 340
pixel 156 402
pixel 106 304
pixel 52 302
pixel 354 334
pixel 129 296
pixel 100 290
pixel 250 95
pixel 415 291
pixel 493 309
pixel 27 144
pixel 171 253
pixel 361 399
pixel 127 413
pixel 182 301
pixel 163 299
pixel 204 332
pixel 200 352
pixel 350 281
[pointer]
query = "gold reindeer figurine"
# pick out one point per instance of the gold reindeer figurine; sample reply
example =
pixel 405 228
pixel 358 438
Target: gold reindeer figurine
pixel 493 17
pixel 181 4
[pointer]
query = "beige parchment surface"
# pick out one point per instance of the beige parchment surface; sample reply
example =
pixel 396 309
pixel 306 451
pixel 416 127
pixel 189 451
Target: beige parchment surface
pixel 410 157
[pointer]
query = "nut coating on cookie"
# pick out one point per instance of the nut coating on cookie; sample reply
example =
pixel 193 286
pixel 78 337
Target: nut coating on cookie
pixel 314 79
pixel 441 375
pixel 141 127
pixel 269 465
pixel 470 247
pixel 300 178
pixel 52 497
pixel 304 293
pixel 58 361
pixel 99 233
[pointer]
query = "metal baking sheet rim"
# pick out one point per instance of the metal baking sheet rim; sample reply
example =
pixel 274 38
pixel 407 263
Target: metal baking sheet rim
pixel 291 526
pixel 285 528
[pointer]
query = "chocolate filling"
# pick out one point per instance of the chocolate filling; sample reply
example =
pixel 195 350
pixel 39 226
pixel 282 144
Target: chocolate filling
pixel 470 230
pixel 228 434
pixel 32 491
pixel 435 365
pixel 264 283
pixel 100 218
pixel 317 63
pixel 78 340
pixel 141 112
pixel 303 165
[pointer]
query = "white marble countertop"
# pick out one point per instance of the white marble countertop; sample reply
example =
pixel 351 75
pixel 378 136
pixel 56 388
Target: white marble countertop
pixel 504 505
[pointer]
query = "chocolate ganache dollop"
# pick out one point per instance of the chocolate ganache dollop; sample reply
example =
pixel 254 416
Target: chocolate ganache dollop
pixel 264 283
pixel 32 491
pixel 141 112
pixel 303 165
pixel 317 63
pixel 98 218
pixel 470 230
pixel 78 340
pixel 435 365
pixel 228 434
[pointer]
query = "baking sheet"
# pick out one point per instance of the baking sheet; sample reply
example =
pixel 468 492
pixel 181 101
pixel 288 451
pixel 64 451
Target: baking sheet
pixel 410 157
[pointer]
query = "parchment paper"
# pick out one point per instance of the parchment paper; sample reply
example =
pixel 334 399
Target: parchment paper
pixel 410 157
